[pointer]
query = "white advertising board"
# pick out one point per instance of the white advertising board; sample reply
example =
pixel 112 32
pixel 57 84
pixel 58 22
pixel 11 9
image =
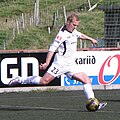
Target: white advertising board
pixel 103 67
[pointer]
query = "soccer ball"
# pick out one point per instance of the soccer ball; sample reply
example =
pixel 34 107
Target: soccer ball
pixel 92 104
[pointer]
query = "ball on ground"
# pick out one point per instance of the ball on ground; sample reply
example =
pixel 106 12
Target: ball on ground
pixel 92 104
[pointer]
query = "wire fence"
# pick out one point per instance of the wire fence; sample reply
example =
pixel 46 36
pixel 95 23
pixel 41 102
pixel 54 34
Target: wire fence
pixel 112 23
pixel 18 17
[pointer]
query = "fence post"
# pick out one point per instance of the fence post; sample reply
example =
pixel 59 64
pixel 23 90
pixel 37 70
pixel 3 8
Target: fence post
pixel 36 12
pixel 23 22
pixel 64 13
pixel 17 26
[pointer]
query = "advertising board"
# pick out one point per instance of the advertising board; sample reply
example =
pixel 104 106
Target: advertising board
pixel 22 64
pixel 103 67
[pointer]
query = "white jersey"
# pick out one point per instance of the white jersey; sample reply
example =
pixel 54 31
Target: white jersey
pixel 64 61
pixel 66 44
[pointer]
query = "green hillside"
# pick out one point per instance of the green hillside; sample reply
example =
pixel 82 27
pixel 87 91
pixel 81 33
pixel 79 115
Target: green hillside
pixel 37 36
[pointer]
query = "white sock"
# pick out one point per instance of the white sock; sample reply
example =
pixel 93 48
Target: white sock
pixel 35 80
pixel 88 91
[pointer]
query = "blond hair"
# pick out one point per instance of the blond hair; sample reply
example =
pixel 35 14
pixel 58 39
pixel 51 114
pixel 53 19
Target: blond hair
pixel 71 17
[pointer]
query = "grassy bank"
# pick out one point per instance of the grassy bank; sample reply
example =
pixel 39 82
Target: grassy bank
pixel 37 37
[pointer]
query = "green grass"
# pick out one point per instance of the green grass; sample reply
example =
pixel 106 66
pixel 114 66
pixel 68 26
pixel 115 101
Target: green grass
pixel 92 23
pixel 38 38
pixel 14 8
pixel 62 105
pixel 32 39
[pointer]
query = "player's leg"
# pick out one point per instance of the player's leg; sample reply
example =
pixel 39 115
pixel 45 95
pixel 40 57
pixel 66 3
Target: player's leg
pixel 52 72
pixel 82 77
pixel 32 80
pixel 47 78
pixel 24 80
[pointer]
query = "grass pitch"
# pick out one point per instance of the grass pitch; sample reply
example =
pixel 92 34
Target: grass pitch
pixel 57 105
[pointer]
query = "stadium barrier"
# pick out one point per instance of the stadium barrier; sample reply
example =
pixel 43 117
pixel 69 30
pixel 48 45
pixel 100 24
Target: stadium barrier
pixel 100 64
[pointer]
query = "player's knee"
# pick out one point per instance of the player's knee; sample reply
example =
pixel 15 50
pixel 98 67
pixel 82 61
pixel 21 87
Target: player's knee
pixel 44 81
pixel 84 78
pixel 87 80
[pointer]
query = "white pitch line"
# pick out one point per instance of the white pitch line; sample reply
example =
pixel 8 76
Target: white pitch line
pixel 16 107
pixel 35 108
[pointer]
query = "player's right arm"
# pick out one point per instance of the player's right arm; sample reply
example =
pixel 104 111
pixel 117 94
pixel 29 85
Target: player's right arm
pixel 53 47
pixel 48 59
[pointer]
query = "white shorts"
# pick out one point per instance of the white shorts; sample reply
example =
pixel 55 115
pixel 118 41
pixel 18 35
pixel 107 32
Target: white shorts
pixel 58 69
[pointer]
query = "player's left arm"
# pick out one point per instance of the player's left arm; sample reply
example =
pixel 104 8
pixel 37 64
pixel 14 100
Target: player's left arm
pixel 85 37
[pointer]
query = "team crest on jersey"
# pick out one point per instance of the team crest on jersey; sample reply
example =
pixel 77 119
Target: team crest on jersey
pixel 58 37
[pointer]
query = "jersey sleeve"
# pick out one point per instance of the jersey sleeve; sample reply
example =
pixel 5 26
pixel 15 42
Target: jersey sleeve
pixel 57 41
pixel 78 34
